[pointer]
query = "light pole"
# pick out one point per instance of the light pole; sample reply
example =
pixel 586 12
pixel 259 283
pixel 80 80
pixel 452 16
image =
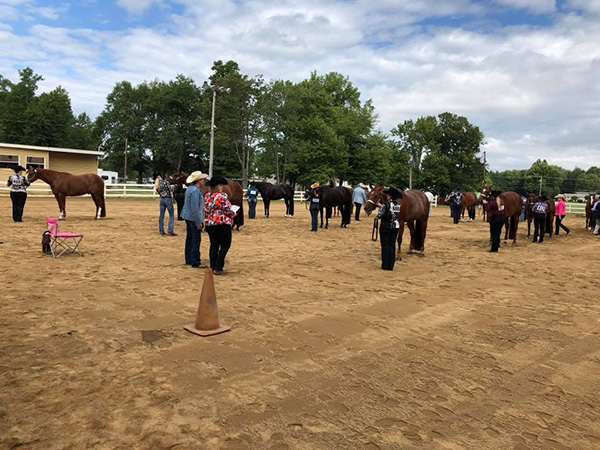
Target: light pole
pixel 214 90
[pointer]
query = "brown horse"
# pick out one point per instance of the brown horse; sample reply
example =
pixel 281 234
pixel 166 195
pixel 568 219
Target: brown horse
pixel 234 192
pixel 531 200
pixel 512 211
pixel 65 185
pixel 414 211
pixel 591 199
pixel 469 202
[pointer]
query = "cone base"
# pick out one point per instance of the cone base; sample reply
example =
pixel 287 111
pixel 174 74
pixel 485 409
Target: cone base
pixel 221 329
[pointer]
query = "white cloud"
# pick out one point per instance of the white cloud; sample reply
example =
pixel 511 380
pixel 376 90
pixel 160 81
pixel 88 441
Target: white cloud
pixel 535 6
pixel 138 6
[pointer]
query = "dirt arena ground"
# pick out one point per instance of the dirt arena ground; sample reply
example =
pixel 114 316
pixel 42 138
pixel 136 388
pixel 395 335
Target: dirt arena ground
pixel 460 349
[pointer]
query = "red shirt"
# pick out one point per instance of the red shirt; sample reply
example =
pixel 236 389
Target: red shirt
pixel 217 209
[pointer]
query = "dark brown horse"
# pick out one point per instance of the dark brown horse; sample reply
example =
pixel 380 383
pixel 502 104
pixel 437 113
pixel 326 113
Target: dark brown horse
pixel 234 192
pixel 414 211
pixel 591 199
pixel 531 200
pixel 469 202
pixel 269 191
pixel 65 185
pixel 512 211
pixel 335 197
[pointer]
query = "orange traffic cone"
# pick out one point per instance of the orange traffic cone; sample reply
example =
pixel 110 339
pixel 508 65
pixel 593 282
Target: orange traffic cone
pixel 207 319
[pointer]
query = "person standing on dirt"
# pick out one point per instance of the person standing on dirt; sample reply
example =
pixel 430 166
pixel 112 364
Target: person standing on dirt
pixel 165 191
pixel 179 194
pixel 219 222
pixel 315 205
pixel 539 210
pixel 18 192
pixel 389 226
pixel 193 214
pixel 455 200
pixel 252 196
pixel 559 214
pixel 494 207
pixel 596 216
pixel 359 197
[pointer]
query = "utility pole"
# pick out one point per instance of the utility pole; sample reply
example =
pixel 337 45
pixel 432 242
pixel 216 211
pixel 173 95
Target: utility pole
pixel 484 164
pixel 212 135
pixel 410 165
pixel 541 179
pixel 125 164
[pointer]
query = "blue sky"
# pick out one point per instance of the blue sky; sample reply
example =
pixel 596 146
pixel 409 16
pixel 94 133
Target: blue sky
pixel 524 71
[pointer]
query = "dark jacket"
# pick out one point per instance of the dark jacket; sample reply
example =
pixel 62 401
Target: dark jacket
pixel 388 216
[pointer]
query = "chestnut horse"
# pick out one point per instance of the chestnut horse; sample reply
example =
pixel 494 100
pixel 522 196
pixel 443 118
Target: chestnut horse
pixel 531 200
pixel 414 211
pixel 65 185
pixel 234 192
pixel 512 211
pixel 469 202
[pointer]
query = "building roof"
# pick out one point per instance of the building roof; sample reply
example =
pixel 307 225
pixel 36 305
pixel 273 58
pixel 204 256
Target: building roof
pixel 52 149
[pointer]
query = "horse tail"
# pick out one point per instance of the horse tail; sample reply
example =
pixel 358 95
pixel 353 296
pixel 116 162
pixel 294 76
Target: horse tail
pixel 102 206
pixel 292 203
pixel 418 236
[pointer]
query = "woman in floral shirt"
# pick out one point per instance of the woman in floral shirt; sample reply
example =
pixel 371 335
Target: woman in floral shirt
pixel 218 221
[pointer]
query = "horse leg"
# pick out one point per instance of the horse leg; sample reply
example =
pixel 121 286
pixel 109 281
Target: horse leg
pixel 400 233
pixel 61 199
pixel 411 228
pixel 321 211
pixel 327 216
pixel 267 205
pixel 423 234
pixel 97 203
pixel 516 226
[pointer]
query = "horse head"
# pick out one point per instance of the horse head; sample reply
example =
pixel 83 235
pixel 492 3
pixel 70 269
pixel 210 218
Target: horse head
pixel 178 177
pixel 374 199
pixel 32 174
pixel 485 194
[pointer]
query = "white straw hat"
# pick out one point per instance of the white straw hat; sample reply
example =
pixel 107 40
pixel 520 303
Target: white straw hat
pixel 195 176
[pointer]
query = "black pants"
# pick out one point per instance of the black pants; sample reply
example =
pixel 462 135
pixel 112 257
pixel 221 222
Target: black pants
pixel 357 211
pixel 539 222
pixel 314 216
pixel 496 224
pixel 180 199
pixel 251 209
pixel 220 241
pixel 455 212
pixel 18 205
pixel 472 213
pixel 558 224
pixel 388 248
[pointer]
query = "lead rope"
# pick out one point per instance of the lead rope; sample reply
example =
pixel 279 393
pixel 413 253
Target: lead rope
pixel 375 232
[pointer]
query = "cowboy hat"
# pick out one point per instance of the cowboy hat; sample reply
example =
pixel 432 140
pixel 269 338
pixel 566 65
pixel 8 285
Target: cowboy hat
pixel 315 185
pixel 195 176
pixel 392 192
pixel 560 196
pixel 19 169
pixel 215 181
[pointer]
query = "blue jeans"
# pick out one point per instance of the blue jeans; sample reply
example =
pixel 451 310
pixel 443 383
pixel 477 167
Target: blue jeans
pixel 165 203
pixel 314 215
pixel 192 243
pixel 251 209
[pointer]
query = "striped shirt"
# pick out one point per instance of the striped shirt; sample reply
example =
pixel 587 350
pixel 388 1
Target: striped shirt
pixel 17 183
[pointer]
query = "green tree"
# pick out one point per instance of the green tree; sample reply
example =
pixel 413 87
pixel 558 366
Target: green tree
pixel 545 177
pixel 125 119
pixel 49 119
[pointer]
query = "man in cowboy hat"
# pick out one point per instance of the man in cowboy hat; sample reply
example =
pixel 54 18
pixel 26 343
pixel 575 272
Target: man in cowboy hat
pixel 359 197
pixel 193 214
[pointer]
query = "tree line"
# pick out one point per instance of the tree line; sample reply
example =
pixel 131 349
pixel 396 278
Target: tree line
pixel 547 179
pixel 317 129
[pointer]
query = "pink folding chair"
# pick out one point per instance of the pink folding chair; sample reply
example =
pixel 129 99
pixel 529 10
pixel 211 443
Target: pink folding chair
pixel 62 242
